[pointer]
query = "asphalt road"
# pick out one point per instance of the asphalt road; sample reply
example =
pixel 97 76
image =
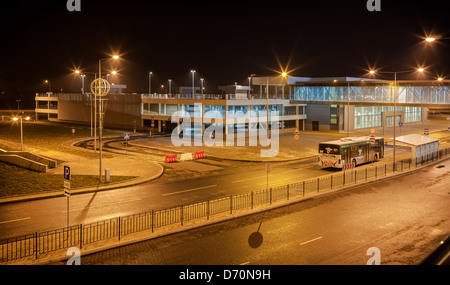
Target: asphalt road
pixel 179 185
pixel 403 217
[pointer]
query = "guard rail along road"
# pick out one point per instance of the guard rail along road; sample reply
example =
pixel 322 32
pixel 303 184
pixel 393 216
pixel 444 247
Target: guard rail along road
pixel 30 248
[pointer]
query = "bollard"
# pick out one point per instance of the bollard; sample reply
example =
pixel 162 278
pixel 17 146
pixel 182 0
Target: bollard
pixel 107 175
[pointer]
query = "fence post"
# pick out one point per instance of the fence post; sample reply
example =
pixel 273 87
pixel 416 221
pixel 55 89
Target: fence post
pixel 119 227
pixel 181 215
pixel 270 196
pixel 385 169
pixel 207 209
pixel 376 171
pixel 252 200
pixel 153 220
pixel 231 204
pixel 287 192
pixel 366 173
pixel 36 245
pixel 343 184
pixel 303 188
pixel 317 184
pixel 81 235
pixel 331 182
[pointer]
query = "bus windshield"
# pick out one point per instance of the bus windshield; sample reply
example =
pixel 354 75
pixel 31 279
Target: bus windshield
pixel 328 148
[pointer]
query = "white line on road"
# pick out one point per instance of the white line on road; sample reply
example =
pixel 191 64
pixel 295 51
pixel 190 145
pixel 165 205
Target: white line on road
pixel 311 240
pixel 17 220
pixel 245 263
pixel 189 190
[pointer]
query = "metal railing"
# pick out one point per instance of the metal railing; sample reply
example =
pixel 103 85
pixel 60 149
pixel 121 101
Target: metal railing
pixel 38 244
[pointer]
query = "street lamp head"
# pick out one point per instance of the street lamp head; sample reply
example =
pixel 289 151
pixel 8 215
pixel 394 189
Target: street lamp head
pixel 192 70
pixel 27 118
pixel 420 69
pixel 372 71
pixel 77 71
pixel 15 119
pixel 114 72
pixel 115 57
pixel 430 40
pixel 284 74
pixel 46 81
pixel 440 79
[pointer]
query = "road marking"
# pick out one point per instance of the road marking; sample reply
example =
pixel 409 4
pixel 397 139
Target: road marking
pixel 311 240
pixel 103 205
pixel 245 263
pixel 189 190
pixel 17 220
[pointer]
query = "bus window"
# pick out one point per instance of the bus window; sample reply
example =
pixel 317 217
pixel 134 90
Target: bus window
pixel 328 148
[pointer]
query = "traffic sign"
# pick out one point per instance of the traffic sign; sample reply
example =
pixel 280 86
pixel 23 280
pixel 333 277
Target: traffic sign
pixel 66 172
pixel 372 140
pixel 372 131
pixel 268 167
pixel 296 132
pixel 67 192
pixel 426 132
pixel 400 124
pixel 126 136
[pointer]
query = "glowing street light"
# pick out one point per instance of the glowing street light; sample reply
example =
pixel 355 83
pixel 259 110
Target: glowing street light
pixel 21 127
pixel 49 85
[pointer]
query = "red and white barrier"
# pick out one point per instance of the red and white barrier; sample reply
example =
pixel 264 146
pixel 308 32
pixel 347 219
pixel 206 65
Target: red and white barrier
pixel 348 166
pixel 171 158
pixel 199 154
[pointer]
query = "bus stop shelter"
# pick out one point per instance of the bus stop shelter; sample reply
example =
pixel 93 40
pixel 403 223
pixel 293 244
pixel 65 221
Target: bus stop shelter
pixel 423 147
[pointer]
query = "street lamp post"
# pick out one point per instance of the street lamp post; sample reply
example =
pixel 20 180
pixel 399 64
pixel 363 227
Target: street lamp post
pixel 170 87
pixel 150 82
pixel 49 85
pixel 395 105
pixel 100 125
pixel 193 76
pixel 21 128
pixel 201 86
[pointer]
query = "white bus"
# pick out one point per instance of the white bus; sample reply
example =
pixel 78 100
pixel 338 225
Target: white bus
pixel 349 152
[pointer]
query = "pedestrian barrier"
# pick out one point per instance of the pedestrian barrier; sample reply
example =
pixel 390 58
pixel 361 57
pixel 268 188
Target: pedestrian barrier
pixel 171 158
pixel 34 246
pixel 199 154
pixel 186 157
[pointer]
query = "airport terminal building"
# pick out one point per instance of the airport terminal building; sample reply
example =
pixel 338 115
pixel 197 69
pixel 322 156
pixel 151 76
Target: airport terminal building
pixel 317 104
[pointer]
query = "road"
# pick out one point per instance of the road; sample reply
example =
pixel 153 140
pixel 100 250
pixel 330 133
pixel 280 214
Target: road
pixel 404 217
pixel 179 185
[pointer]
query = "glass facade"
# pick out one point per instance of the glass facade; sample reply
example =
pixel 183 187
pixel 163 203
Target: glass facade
pixel 371 116
pixel 377 94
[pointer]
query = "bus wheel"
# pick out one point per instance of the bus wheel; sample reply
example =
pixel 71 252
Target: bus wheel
pixel 354 161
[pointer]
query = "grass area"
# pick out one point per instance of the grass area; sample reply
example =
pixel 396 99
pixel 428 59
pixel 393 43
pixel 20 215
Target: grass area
pixel 48 137
pixel 17 181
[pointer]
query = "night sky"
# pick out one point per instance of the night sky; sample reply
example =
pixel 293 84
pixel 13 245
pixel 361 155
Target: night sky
pixel 224 41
